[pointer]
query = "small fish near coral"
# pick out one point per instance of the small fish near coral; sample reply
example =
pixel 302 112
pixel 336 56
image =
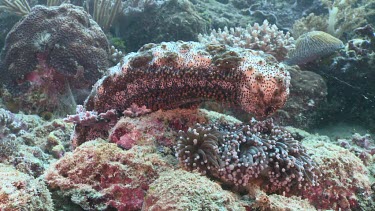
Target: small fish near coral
pixel 311 46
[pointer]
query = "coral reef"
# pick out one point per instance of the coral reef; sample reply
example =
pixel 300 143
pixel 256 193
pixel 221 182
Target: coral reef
pixel 128 130
pixel 49 64
pixel 344 179
pixel 145 143
pixel 19 191
pixel 308 92
pixel 23 142
pixel 156 128
pixel 283 13
pixel 349 75
pixel 265 37
pixel 224 13
pixel 265 202
pixel 90 124
pixel 195 73
pixel 166 20
pixel 240 154
pixel 10 128
pixel 140 140
pixel 308 23
pixel 363 146
pixel 99 175
pixel 342 18
pixel 7 21
pixel 181 190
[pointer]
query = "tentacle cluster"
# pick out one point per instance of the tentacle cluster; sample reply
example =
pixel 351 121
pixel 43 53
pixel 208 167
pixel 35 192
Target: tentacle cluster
pixel 240 153
pixel 199 148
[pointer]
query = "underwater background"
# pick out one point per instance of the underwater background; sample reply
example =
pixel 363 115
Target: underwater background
pixel 187 105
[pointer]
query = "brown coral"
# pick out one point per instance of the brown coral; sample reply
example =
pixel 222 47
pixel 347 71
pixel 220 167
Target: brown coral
pixel 52 51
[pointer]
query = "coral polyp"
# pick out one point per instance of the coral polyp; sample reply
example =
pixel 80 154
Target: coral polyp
pixel 199 148
pixel 239 154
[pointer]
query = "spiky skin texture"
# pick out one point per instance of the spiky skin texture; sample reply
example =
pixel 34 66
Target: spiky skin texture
pixel 168 75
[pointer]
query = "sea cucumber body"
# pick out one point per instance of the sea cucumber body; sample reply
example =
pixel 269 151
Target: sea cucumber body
pixel 172 74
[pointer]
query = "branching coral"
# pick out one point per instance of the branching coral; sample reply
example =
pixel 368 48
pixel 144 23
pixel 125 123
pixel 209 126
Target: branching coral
pixel 344 15
pixel 265 37
pixel 239 154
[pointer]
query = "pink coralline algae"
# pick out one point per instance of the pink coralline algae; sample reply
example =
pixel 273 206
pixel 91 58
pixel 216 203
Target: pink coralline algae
pixel 101 176
pixel 91 124
pixel 344 181
pixel 136 110
pixel 158 127
pixel 361 145
pixel 172 74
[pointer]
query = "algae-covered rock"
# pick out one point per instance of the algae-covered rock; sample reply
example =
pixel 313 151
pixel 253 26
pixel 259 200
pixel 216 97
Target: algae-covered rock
pixel 177 190
pixel 100 175
pixel 344 181
pixel 19 191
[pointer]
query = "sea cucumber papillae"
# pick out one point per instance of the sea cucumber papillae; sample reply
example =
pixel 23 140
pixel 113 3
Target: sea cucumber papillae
pixel 168 75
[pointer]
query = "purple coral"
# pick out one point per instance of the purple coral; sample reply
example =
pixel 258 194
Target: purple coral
pixel 363 146
pixel 90 124
pixel 134 111
pixel 239 154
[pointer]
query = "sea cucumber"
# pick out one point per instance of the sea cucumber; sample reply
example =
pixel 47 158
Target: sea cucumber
pixel 172 74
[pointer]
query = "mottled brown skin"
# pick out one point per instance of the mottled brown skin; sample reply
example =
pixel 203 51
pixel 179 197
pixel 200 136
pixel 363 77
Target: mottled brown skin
pixel 170 75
